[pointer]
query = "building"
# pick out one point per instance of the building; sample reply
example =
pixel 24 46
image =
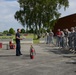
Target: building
pixel 65 22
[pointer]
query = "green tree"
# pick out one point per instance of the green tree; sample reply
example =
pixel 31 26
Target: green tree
pixel 11 31
pixel 5 32
pixel 22 30
pixel 37 14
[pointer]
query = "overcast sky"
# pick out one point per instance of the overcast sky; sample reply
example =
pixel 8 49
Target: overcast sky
pixel 9 7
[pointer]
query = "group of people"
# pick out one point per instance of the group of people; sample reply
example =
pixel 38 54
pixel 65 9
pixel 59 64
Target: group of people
pixel 64 39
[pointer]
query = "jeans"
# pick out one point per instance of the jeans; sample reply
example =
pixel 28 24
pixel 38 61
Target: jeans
pixel 62 42
pixel 58 41
pixel 18 47
pixel 75 44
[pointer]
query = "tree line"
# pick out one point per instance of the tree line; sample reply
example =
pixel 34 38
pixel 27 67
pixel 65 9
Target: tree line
pixel 12 31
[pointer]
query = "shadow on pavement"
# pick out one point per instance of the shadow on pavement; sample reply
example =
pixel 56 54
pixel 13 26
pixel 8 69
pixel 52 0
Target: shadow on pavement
pixel 14 56
pixel 69 56
pixel 26 57
pixel 7 55
pixel 58 51
pixel 74 62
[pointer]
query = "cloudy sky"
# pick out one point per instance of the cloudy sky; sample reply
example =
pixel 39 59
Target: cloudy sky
pixel 9 7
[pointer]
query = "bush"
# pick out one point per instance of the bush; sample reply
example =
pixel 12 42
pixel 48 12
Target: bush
pixel 11 31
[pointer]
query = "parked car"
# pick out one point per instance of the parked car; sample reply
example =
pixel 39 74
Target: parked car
pixel 1 34
pixel 25 34
pixel 9 35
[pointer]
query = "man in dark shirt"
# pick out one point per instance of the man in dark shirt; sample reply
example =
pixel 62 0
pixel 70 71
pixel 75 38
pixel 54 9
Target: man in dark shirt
pixel 18 52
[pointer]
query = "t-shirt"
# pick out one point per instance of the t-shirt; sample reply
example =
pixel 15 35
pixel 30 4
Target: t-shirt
pixel 51 34
pixel 59 33
pixel 62 34
pixel 17 35
pixel 67 34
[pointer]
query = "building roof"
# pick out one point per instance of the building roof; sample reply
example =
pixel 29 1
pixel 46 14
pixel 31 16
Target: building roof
pixel 68 16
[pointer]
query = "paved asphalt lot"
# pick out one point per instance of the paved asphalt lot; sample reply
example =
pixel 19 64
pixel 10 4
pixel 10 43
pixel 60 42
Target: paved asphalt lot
pixel 48 61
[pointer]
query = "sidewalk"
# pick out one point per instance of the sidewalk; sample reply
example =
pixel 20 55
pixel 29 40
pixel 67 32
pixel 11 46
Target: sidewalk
pixel 48 61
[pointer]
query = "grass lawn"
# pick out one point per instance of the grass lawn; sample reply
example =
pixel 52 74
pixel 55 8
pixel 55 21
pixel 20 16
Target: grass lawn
pixel 36 41
pixel 6 37
pixel 28 36
pixel 32 36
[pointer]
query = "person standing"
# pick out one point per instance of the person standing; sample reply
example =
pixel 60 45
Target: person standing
pixel 51 39
pixel 47 35
pixel 67 33
pixel 74 34
pixel 71 39
pixel 18 47
pixel 62 39
pixel 58 34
